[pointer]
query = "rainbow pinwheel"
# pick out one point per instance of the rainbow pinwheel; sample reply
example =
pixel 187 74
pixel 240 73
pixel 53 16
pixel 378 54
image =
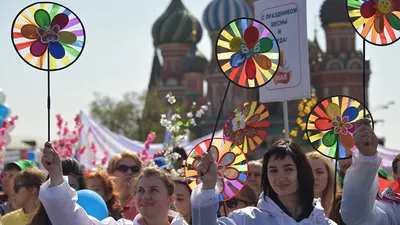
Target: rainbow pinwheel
pixel 231 162
pixel 332 124
pixel 373 18
pixel 247 53
pixel 247 125
pixel 48 28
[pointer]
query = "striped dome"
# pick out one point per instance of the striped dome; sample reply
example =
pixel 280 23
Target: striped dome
pixel 194 61
pixel 176 25
pixel 220 12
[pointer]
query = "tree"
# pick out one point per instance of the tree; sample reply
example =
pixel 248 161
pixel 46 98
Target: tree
pixel 136 115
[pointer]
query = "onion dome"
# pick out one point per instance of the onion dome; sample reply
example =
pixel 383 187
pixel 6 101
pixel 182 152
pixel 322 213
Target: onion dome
pixel 176 25
pixel 220 12
pixel 334 11
pixel 194 61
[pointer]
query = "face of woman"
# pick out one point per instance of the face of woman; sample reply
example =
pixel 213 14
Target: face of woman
pixel 96 185
pixel 124 173
pixel 320 177
pixel 282 175
pixel 152 198
pixel 182 200
pixel 254 177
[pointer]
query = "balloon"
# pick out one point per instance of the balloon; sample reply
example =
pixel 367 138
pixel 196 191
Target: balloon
pixel 2 96
pixel 31 156
pixel 1 121
pixel 3 111
pixel 93 204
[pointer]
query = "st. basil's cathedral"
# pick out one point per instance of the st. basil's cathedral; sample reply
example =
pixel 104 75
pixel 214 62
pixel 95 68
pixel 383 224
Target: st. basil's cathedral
pixel 184 68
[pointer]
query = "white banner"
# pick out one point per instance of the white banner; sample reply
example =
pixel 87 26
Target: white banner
pixel 287 19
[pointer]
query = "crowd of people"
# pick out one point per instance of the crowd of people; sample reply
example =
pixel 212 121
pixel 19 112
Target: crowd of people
pixel 286 186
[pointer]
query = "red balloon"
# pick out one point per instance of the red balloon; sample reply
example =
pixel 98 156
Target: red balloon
pixel 251 36
pixel 367 9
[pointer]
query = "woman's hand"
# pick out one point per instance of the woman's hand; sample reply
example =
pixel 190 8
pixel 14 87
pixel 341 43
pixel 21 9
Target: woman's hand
pixel 52 163
pixel 207 170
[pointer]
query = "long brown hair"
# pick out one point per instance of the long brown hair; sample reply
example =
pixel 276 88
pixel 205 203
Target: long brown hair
pixel 327 196
pixel 113 204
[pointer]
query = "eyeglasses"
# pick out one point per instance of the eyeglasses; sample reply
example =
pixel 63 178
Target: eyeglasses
pixel 17 187
pixel 232 203
pixel 125 168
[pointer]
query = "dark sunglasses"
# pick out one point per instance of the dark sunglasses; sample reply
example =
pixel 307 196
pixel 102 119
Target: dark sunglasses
pixel 232 203
pixel 124 168
pixel 17 187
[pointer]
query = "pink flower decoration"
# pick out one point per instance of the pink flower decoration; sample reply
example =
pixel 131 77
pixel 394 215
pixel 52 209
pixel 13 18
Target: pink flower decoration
pixel 341 125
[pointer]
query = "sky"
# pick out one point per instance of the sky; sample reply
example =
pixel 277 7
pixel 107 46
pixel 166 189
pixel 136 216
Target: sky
pixel 117 59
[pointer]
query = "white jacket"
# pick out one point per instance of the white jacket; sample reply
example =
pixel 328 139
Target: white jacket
pixel 205 205
pixel 61 207
pixel 360 187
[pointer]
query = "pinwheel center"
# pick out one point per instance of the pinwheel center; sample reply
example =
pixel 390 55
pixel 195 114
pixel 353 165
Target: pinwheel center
pixel 50 34
pixel 385 6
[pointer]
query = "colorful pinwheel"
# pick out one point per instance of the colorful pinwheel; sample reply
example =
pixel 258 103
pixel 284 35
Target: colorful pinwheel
pixel 371 18
pixel 247 53
pixel 232 166
pixel 332 124
pixel 48 28
pixel 247 125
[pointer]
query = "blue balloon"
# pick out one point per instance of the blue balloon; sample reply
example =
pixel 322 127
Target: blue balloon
pixel 3 111
pixel 93 204
pixel 31 156
pixel 1 121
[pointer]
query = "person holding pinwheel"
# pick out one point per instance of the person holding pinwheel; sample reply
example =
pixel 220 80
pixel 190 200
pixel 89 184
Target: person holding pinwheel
pixel 361 186
pixel 287 198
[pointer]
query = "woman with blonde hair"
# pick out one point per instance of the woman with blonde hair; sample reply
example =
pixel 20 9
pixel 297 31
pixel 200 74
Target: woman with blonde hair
pixel 125 167
pixel 324 179
pixel 153 190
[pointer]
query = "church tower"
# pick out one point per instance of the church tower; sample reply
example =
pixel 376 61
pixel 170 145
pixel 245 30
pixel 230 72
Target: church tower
pixel 174 33
pixel 216 15
pixel 339 69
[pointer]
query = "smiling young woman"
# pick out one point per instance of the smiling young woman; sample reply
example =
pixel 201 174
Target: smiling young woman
pixel 287 198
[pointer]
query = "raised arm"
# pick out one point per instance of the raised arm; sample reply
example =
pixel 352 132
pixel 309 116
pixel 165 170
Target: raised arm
pixel 204 197
pixel 59 199
pixel 361 186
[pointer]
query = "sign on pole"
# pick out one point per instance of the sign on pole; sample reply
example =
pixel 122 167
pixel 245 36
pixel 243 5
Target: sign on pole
pixel 287 19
